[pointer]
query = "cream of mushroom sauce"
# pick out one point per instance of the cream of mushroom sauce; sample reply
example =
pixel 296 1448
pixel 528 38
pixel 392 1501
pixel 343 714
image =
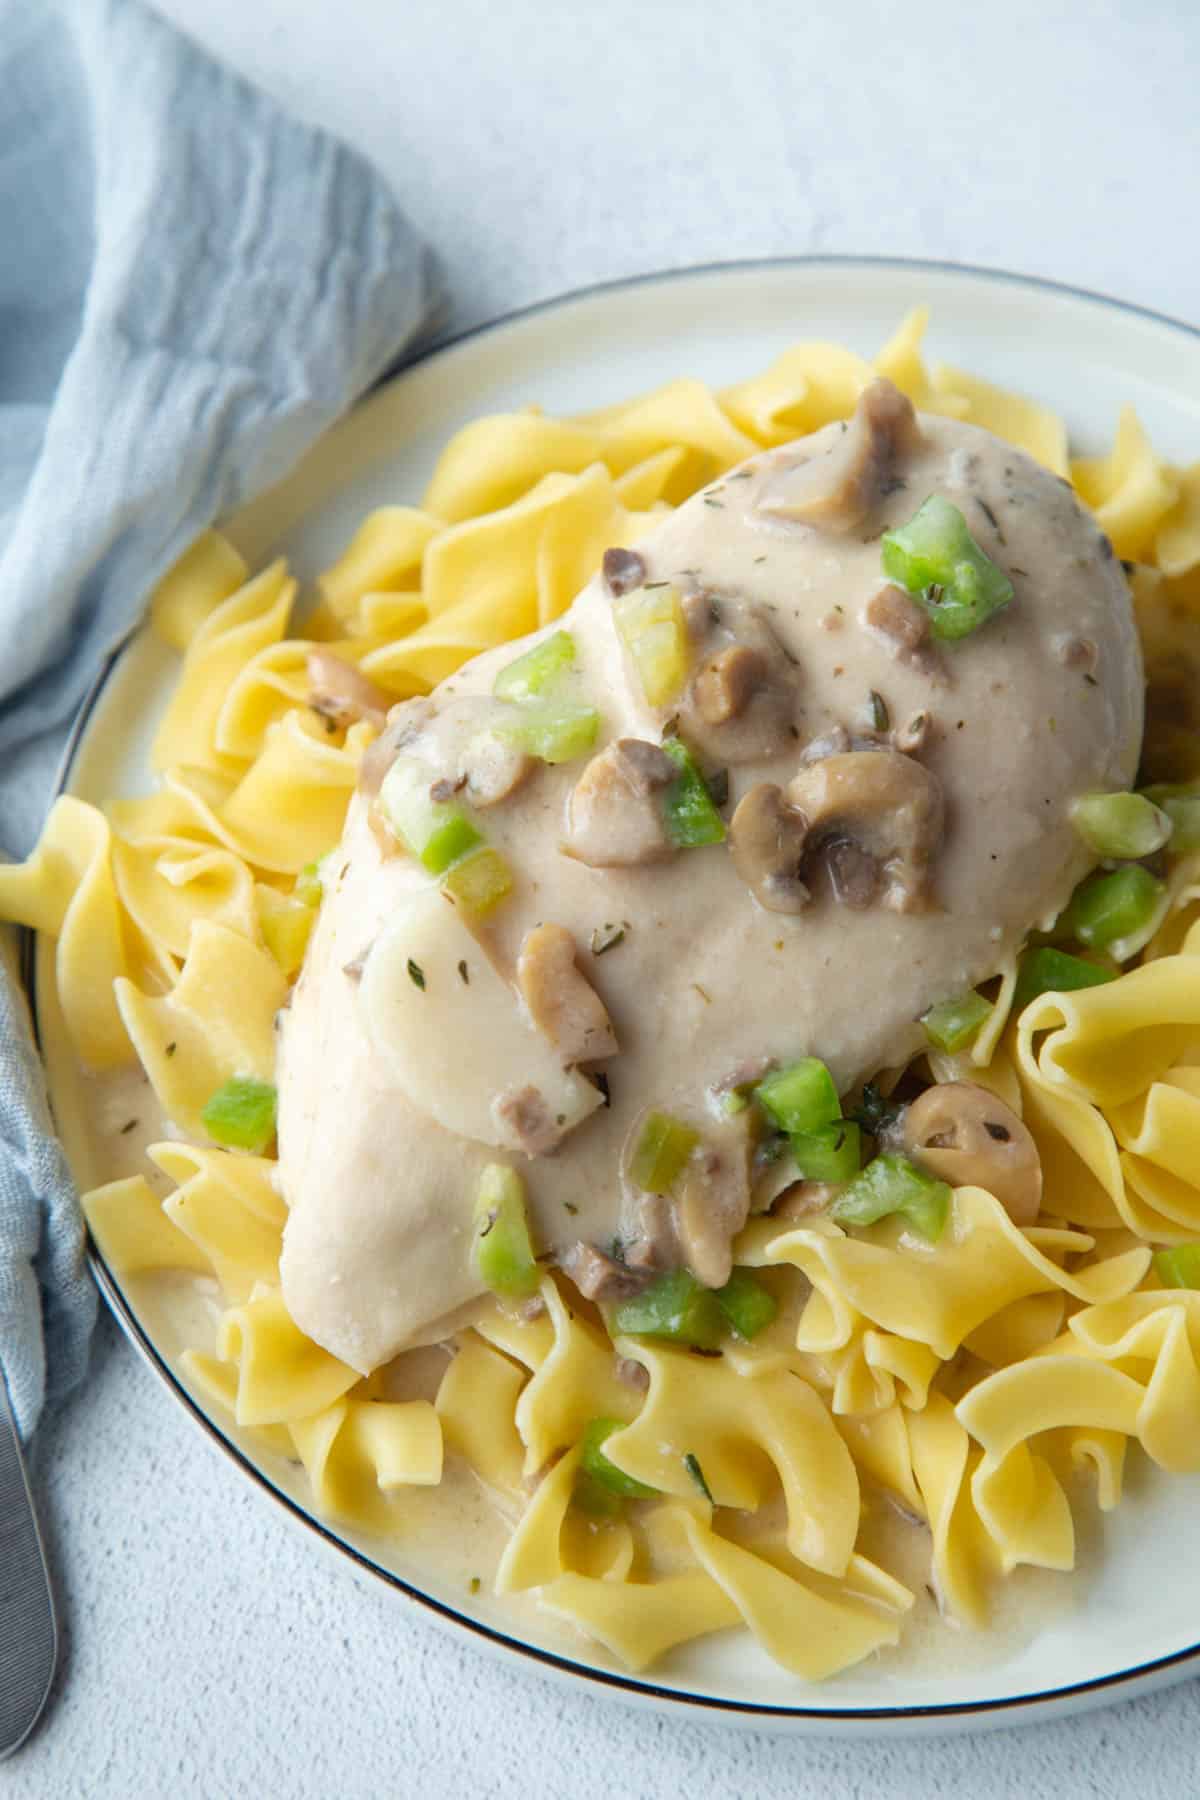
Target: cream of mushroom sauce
pixel 704 980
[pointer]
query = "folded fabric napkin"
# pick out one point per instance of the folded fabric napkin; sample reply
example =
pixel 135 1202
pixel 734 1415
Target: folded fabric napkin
pixel 192 286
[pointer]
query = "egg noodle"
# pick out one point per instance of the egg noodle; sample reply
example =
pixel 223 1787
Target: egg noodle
pixel 965 1380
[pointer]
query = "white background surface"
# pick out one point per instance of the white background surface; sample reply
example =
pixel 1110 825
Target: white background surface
pixel 209 1650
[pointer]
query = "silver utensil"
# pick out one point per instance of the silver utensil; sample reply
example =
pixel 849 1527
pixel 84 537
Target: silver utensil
pixel 28 1628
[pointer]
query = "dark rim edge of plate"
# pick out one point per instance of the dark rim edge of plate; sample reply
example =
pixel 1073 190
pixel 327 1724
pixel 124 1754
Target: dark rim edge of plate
pixel 628 1686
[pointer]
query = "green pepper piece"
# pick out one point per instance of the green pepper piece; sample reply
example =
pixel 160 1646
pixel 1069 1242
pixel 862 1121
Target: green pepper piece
pixel 691 818
pixel 1049 971
pixel 1178 1267
pixel 539 670
pixel 552 733
pixel 892 1184
pixel 937 560
pixel 437 832
pixel 310 888
pixel 479 882
pixel 241 1114
pixel 1109 907
pixel 503 1252
pixel 595 1466
pixel 663 1147
pixel 1125 826
pixel 746 1303
pixel 1181 803
pixel 800 1097
pixel 652 628
pixel 831 1153
pixel 953 1024
pixel 675 1306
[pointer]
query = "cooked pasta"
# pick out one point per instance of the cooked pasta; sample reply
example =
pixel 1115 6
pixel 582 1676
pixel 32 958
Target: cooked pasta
pixel 965 1380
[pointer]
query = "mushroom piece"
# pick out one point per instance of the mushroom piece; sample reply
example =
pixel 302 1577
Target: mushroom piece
pixel 767 839
pixel 405 722
pixel 623 571
pixel 614 818
pixel 711 1207
pixel 969 1137
pixel 840 488
pixel 803 1199
pixel 648 1233
pixel 342 694
pixel 525 1122
pixel 601 1277
pixel 492 770
pixel 885 803
pixel 901 622
pixel 562 1002
pixel 740 703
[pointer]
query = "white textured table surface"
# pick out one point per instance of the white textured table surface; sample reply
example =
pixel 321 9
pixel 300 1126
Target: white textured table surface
pixel 209 1651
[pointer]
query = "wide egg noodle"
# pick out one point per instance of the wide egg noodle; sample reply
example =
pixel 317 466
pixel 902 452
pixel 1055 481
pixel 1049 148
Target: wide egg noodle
pixel 937 1295
pixel 218 1021
pixel 252 617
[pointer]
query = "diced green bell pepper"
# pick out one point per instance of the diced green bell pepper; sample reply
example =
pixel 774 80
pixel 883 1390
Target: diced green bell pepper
pixel 663 1147
pixel 1113 906
pixel 436 832
pixel 595 1466
pixel 937 560
pixel 691 818
pixel 676 1307
pixel 1178 1267
pixel 746 1303
pixel 1123 826
pixel 1049 971
pixel 503 1252
pixel 651 624
pixel 892 1184
pixel 831 1153
pixel 241 1114
pixel 538 671
pixel 552 733
pixel 953 1024
pixel 1181 803
pixel 801 1097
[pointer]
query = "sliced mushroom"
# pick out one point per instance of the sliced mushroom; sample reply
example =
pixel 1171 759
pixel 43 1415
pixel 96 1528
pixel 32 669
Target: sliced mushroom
pixel 562 1002
pixel 767 838
pixel 969 1137
pixel 648 1233
pixel 711 1207
pixel 885 803
pixel 405 722
pixel 623 571
pixel 525 1122
pixel 803 1199
pixel 614 814
pixel 740 704
pixel 901 622
pixel 601 1277
pixel 342 694
pixel 839 489
pixel 492 769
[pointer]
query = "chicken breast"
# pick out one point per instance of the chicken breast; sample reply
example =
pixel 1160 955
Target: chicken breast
pixel 900 821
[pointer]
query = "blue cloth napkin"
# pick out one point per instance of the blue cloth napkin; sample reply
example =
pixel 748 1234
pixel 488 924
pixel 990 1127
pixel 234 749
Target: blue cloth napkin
pixel 192 286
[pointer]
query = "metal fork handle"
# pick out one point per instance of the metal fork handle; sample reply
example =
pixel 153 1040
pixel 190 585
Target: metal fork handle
pixel 28 1627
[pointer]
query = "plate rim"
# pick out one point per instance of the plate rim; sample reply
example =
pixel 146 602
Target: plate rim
pixel 1010 1708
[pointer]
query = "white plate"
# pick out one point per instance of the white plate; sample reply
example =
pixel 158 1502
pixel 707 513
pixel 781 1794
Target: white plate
pixel 1126 1620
